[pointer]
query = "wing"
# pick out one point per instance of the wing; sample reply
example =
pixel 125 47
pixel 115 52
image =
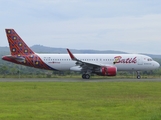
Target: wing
pixel 86 65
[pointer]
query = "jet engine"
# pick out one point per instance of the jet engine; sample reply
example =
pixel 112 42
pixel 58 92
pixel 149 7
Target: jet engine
pixel 107 71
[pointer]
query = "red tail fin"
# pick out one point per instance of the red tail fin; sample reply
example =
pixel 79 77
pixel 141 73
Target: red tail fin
pixel 17 45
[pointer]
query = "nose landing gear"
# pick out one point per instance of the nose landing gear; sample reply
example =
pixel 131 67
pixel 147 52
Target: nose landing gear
pixel 138 75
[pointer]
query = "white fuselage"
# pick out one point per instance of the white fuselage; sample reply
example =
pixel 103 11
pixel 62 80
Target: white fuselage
pixel 123 62
pixel 100 64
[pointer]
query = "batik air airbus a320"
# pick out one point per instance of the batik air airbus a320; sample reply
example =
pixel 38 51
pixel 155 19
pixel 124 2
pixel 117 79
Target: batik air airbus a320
pixel 87 64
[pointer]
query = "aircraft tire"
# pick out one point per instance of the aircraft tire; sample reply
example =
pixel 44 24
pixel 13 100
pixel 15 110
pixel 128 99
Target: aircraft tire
pixel 87 76
pixel 84 76
pixel 138 76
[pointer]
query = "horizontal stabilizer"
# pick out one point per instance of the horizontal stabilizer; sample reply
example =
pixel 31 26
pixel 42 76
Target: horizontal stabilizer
pixel 13 58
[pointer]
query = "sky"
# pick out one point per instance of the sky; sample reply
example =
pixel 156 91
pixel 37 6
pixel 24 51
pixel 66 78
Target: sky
pixel 132 26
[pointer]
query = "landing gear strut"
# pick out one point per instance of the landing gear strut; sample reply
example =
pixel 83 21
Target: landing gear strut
pixel 138 75
pixel 85 76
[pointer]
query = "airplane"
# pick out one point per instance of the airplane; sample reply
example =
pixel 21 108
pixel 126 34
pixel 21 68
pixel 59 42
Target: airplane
pixel 87 64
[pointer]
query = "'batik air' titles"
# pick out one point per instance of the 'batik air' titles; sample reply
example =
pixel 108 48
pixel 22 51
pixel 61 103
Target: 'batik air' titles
pixel 118 59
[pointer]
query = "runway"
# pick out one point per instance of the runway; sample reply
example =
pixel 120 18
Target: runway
pixel 75 80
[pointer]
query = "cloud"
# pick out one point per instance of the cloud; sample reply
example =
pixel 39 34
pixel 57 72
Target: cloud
pixel 84 24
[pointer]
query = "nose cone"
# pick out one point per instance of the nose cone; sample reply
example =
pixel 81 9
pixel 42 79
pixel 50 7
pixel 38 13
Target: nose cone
pixel 157 65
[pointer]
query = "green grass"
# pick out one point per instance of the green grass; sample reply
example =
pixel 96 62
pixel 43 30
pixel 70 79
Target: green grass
pixel 80 100
pixel 79 76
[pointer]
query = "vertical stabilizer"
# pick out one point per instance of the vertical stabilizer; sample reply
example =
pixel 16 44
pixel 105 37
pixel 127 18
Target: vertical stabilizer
pixel 22 54
pixel 17 46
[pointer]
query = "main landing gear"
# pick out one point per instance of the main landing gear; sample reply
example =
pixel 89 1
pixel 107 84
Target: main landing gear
pixel 138 75
pixel 85 76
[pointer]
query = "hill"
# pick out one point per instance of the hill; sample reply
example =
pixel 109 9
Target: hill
pixel 45 49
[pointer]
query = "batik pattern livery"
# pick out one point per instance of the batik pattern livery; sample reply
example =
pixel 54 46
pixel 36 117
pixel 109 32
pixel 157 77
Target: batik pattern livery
pixel 21 53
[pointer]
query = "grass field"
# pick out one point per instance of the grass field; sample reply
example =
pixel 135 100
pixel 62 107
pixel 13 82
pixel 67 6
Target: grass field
pixel 80 100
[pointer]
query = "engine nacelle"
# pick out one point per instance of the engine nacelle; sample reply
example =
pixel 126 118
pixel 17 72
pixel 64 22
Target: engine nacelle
pixel 108 71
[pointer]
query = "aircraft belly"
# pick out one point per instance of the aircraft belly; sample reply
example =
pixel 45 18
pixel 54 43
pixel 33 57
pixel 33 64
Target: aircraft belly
pixel 126 67
pixel 60 66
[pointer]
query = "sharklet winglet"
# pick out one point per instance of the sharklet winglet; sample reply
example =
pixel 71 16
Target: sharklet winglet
pixel 72 56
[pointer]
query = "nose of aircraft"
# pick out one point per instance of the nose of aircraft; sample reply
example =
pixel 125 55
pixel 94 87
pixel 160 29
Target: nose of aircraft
pixel 157 65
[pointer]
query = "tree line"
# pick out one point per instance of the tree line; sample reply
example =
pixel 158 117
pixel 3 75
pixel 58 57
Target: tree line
pixel 10 69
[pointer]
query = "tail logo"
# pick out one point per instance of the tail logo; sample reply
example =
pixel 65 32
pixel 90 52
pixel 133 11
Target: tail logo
pixel 21 53
pixel 8 31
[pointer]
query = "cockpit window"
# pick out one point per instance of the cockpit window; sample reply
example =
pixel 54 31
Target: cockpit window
pixel 150 59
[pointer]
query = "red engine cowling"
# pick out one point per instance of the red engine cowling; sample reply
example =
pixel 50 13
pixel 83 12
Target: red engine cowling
pixel 108 71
